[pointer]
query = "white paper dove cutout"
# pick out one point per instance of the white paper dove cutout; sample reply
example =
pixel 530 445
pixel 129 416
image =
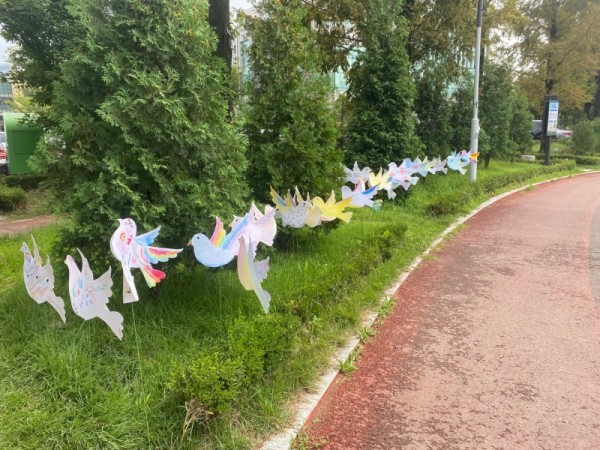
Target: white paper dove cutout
pixel 136 252
pixel 222 247
pixel 360 196
pixel 89 297
pixel 356 174
pixel 252 273
pixel 438 166
pixel 39 279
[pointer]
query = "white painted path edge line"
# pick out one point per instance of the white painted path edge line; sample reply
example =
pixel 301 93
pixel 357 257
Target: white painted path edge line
pixel 308 402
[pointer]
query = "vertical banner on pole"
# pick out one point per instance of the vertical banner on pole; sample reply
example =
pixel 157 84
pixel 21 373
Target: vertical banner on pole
pixel 549 124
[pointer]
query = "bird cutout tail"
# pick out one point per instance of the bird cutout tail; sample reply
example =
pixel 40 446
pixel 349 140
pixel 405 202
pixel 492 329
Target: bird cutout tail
pixel 345 216
pixel 152 276
pixel 58 304
pixel 114 320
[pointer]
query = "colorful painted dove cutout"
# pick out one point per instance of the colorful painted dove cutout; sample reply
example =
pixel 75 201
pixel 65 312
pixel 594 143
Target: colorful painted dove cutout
pixel 89 297
pixel 402 175
pixel 252 273
pixel 136 252
pixel 221 248
pixel 39 279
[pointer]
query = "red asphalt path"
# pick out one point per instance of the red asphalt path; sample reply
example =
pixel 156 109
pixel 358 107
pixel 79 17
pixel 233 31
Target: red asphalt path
pixel 492 344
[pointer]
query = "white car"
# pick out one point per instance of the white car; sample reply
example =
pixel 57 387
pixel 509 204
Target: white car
pixel 560 134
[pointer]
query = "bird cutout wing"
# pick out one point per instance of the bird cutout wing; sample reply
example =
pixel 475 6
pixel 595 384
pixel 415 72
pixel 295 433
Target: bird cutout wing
pixel 353 176
pixel 279 202
pixel 219 233
pixel 89 297
pixel 39 279
pixel 261 228
pixel 292 214
pixel 36 252
pixel 252 273
pixel 331 210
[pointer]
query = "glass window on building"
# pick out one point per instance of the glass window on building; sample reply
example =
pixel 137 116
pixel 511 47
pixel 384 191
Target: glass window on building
pixel 6 94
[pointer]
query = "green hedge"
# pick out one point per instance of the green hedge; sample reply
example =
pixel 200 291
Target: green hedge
pixel 27 182
pixel 11 197
pixel 580 160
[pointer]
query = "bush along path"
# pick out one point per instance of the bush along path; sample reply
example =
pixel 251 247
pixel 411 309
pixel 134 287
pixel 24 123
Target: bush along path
pixel 492 344
pixel 203 366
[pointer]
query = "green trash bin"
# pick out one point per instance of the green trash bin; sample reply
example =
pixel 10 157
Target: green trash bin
pixel 21 140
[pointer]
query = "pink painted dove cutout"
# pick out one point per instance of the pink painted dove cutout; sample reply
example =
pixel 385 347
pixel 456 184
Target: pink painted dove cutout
pixel 136 252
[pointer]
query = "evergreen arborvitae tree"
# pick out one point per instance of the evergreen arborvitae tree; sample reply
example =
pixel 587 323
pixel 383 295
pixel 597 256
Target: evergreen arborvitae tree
pixel 432 107
pixel 381 127
pixel 461 113
pixel 520 124
pixel 142 125
pixel 290 123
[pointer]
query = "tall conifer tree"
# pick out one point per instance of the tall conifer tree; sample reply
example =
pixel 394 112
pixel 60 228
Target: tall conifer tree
pixel 142 124
pixel 381 128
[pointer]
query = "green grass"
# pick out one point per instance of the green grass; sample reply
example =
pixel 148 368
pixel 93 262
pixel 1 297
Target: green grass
pixel 76 386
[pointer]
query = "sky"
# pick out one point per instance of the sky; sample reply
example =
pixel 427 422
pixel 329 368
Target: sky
pixel 239 3
pixel 4 45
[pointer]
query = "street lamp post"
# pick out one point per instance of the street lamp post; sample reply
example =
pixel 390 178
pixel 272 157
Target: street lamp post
pixel 475 121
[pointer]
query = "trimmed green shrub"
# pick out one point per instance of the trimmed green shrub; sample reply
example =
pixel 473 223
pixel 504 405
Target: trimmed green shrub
pixel 27 182
pixel 261 343
pixel 11 197
pixel 580 160
pixel 586 137
pixel 211 379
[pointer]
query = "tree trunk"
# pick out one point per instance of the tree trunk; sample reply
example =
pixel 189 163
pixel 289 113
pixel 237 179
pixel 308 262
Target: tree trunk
pixel 595 110
pixel 218 17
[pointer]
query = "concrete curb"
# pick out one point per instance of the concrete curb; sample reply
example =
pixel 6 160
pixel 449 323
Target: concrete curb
pixel 308 402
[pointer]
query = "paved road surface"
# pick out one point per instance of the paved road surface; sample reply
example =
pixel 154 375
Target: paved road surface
pixel 8 228
pixel 493 344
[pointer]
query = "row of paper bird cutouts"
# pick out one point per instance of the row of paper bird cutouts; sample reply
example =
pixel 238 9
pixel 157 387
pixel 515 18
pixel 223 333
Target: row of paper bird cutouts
pixel 90 296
